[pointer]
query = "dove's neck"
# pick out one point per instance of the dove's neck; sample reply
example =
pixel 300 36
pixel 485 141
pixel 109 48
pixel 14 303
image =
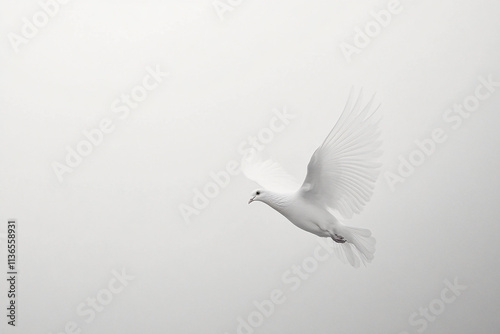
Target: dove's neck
pixel 279 202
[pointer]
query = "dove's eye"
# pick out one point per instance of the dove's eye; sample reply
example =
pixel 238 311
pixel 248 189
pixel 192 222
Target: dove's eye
pixel 258 192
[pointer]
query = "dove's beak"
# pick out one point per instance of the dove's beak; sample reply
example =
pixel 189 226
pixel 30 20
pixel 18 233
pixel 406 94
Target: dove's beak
pixel 251 200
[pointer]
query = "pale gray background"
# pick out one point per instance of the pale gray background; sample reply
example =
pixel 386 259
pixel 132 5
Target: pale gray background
pixel 119 209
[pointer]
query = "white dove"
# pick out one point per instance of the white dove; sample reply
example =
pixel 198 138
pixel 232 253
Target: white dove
pixel 340 179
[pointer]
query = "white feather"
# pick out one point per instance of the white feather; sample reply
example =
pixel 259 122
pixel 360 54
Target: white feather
pixel 340 178
pixel 268 174
pixel 343 170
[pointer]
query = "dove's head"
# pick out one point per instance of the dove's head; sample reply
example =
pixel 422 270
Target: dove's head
pixel 257 195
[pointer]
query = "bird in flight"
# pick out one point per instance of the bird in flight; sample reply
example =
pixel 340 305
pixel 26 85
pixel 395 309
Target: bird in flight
pixel 340 179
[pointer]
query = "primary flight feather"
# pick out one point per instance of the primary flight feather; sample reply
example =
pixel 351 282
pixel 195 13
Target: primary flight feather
pixel 340 179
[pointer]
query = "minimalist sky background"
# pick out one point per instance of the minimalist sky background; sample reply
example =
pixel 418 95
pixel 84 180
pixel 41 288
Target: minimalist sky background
pixel 120 207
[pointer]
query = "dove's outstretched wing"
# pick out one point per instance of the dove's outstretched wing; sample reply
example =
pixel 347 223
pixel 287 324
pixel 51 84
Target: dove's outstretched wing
pixel 268 174
pixel 342 171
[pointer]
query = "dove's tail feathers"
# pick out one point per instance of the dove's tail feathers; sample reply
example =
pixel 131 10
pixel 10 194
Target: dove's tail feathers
pixel 359 248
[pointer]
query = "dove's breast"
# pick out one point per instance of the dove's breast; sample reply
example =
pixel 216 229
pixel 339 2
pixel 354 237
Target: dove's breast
pixel 306 215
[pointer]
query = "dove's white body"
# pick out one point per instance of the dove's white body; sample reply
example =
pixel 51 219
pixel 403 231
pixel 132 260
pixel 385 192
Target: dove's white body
pixel 304 213
pixel 341 175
